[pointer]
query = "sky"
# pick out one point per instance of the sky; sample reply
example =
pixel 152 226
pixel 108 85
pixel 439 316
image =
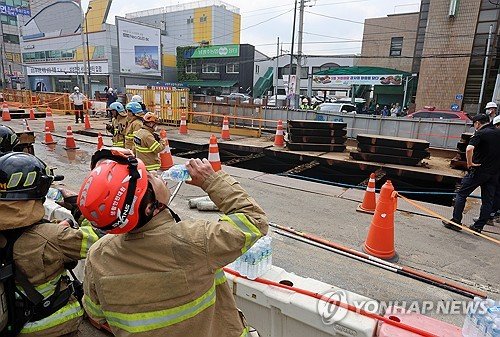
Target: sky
pixel 263 21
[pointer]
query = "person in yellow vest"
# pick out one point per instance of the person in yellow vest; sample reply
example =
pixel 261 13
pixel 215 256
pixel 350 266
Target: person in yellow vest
pixel 118 124
pixel 134 123
pixel 147 143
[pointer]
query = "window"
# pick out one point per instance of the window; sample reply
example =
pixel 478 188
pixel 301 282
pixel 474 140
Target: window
pixel 17 3
pixel 189 20
pixel 190 69
pixel 8 20
pixel 203 18
pixel 10 38
pixel 257 68
pixel 210 68
pixel 232 68
pixel 396 46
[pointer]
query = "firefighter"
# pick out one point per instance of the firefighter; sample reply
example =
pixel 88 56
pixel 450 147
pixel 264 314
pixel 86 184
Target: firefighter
pixel 147 143
pixel 40 252
pixel 8 139
pixel 134 123
pixel 166 277
pixel 118 124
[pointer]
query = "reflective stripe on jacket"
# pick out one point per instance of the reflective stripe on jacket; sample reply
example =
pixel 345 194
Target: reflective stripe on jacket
pixel 147 148
pixel 119 125
pixel 183 290
pixel 134 125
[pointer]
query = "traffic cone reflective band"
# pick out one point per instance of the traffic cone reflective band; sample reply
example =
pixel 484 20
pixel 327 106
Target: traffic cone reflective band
pixel 225 129
pixel 100 142
pixel 26 127
pixel 49 122
pixel 183 130
pixel 380 239
pixel 87 122
pixel 5 113
pixel 166 160
pixel 369 203
pixel 213 154
pixel 48 137
pixel 32 114
pixel 70 140
pixel 279 139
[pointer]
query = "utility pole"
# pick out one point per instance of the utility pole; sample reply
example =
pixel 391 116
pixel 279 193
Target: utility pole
pixel 89 96
pixel 276 73
pixel 299 50
pixel 84 55
pixel 485 71
pixel 2 56
pixel 291 53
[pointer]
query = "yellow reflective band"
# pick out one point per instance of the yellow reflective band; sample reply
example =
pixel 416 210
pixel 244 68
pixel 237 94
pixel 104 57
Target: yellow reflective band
pixel 150 149
pixel 89 238
pixel 220 277
pixel 147 321
pixel 245 332
pixel 153 167
pixel 63 315
pixel 240 221
pixel 46 289
pixel 119 144
pixel 129 136
pixel 93 309
pixel 14 180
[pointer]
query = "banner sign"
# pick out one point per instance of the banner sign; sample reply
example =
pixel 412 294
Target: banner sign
pixel 228 50
pixel 330 81
pixel 62 69
pixel 14 11
pixel 290 84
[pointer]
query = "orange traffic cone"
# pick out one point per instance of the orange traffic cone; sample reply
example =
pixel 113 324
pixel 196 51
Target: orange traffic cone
pixel 26 127
pixel 87 122
pixel 213 154
pixel 32 114
pixel 380 239
pixel 183 130
pixel 48 137
pixel 279 139
pixel 166 160
pixel 100 142
pixel 225 135
pixel 49 122
pixel 70 140
pixel 369 203
pixel 5 113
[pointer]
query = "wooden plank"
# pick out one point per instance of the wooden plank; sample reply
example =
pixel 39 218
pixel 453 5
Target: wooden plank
pixel 316 140
pixel 418 154
pixel 305 124
pixel 382 158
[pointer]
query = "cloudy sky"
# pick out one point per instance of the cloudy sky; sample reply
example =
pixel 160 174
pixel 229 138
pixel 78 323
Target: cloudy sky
pixel 263 21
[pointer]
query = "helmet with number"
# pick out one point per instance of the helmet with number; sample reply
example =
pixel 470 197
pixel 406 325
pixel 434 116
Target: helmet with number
pixel 150 117
pixel 8 139
pixel 118 107
pixel 23 177
pixel 136 98
pixel 134 107
pixel 111 193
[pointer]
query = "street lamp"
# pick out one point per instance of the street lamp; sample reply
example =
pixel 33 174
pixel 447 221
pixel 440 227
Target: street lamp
pixel 88 50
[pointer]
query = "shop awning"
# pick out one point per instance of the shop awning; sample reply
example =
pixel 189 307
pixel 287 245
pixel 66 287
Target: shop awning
pixel 211 83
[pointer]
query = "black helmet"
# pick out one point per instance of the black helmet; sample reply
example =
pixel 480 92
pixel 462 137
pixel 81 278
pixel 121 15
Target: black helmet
pixel 8 139
pixel 23 177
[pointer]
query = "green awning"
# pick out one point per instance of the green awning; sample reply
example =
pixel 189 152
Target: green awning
pixel 361 71
pixel 210 84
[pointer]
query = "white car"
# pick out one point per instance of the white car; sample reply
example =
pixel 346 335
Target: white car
pixel 337 108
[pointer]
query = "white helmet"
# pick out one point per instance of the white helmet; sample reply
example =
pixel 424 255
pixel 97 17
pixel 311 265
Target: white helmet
pixel 76 89
pixel 137 98
pixel 491 105
pixel 496 120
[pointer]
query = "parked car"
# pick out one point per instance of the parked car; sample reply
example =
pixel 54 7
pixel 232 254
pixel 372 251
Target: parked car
pixel 337 108
pixel 431 112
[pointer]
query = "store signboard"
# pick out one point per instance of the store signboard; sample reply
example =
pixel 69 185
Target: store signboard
pixel 228 50
pixel 14 11
pixel 331 81
pixel 96 68
pixel 139 48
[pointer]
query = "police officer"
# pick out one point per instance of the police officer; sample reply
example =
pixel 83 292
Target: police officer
pixel 8 139
pixel 41 249
pixel 147 143
pixel 166 277
pixel 118 124
pixel 134 123
pixel 483 155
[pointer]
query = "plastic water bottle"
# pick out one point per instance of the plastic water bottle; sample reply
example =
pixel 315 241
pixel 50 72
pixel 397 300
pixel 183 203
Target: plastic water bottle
pixel 485 325
pixel 176 173
pixel 471 310
pixel 252 264
pixel 494 329
pixel 244 265
pixel 55 194
pixel 479 317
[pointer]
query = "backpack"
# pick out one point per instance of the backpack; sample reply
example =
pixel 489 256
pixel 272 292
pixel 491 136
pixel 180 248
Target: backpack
pixel 18 308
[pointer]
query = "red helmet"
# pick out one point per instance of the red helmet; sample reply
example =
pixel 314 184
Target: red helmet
pixel 112 192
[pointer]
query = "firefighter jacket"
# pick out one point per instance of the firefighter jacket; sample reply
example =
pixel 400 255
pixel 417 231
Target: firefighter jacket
pixel 166 277
pixel 119 126
pixel 147 148
pixel 134 124
pixel 41 252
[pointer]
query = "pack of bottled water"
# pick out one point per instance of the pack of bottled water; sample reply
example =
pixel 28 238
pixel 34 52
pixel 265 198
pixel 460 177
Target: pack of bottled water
pixel 482 319
pixel 256 261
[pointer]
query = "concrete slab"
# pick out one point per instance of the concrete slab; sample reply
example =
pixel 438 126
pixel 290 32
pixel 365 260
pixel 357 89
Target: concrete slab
pixel 301 185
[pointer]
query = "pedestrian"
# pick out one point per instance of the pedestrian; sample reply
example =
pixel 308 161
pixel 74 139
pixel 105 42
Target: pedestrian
pixel 148 144
pixel 111 97
pixel 134 123
pixel 118 124
pixel 158 275
pixel 77 98
pixel 491 111
pixel 385 111
pixel 495 214
pixel 483 162
pixel 43 299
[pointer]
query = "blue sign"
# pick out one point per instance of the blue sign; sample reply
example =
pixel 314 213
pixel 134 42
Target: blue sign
pixel 14 11
pixel 459 97
pixel 455 107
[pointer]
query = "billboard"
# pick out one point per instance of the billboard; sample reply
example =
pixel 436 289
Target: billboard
pixel 228 50
pixel 332 81
pixel 139 48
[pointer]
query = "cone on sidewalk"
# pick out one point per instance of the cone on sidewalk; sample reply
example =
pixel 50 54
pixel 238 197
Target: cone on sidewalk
pixel 5 113
pixel 183 130
pixel 213 154
pixel 380 239
pixel 166 160
pixel 32 114
pixel 87 122
pixel 225 135
pixel 369 202
pixel 70 140
pixel 279 139
pixel 100 142
pixel 26 127
pixel 48 137
pixel 49 122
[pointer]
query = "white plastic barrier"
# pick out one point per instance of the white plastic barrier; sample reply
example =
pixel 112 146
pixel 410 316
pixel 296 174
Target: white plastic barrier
pixel 277 312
